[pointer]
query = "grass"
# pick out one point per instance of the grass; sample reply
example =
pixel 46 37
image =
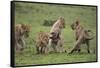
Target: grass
pixel 35 14
pixel 54 58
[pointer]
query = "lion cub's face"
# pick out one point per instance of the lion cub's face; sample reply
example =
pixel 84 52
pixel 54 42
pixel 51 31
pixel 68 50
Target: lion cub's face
pixel 74 25
pixel 26 29
pixel 62 22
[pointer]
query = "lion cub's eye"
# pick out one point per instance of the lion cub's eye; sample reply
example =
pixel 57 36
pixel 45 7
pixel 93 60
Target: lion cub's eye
pixel 26 31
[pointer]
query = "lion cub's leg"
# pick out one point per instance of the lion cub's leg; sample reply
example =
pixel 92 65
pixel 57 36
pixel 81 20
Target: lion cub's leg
pixel 44 49
pixel 88 46
pixel 48 49
pixel 60 46
pixel 54 47
pixel 22 43
pixel 60 49
pixel 17 46
pixel 77 46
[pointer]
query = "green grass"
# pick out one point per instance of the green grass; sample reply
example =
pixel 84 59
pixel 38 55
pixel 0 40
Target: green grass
pixel 53 58
pixel 35 14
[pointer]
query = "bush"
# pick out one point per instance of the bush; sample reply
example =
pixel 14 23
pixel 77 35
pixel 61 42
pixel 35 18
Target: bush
pixel 48 22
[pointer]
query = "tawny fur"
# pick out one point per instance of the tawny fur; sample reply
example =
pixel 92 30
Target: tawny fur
pixel 55 33
pixel 41 42
pixel 82 37
pixel 21 32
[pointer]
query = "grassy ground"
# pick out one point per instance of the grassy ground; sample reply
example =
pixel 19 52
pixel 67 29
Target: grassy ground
pixel 35 14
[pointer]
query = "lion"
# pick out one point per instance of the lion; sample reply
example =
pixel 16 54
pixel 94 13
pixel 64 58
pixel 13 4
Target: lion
pixel 56 44
pixel 55 33
pixel 82 36
pixel 21 32
pixel 41 42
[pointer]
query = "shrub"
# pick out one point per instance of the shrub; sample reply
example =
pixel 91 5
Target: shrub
pixel 48 22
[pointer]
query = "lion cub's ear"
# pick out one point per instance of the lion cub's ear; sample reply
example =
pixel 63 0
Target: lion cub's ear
pixel 26 26
pixel 23 26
